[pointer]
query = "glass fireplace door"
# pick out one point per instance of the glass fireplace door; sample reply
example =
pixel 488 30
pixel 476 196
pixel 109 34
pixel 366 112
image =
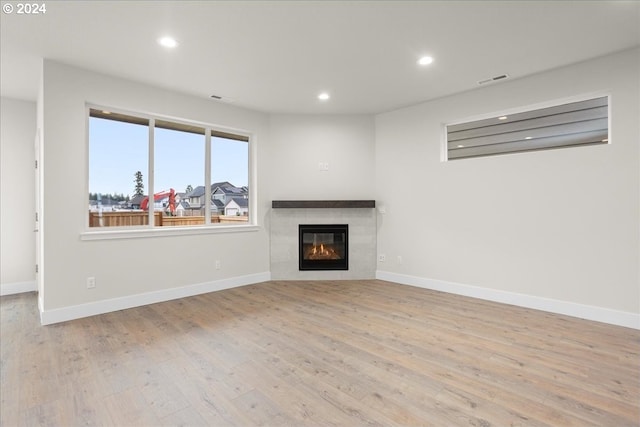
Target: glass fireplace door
pixel 323 247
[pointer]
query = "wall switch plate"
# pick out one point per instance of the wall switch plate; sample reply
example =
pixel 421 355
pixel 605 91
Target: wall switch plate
pixel 91 282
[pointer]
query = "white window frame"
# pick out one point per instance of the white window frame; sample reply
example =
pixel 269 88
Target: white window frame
pixel 525 109
pixel 151 230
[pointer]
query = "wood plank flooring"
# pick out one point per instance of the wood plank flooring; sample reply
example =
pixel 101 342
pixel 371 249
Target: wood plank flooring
pixel 318 353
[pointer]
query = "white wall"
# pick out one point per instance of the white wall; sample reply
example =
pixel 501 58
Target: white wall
pixel 559 225
pixel 17 201
pixel 299 142
pixel 129 267
pixel 128 270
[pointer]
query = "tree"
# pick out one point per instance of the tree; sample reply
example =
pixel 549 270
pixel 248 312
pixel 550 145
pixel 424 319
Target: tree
pixel 189 189
pixel 139 189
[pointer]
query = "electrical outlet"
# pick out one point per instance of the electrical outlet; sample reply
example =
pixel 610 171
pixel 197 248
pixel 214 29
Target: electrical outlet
pixel 91 282
pixel 382 258
pixel 218 264
pixel 399 259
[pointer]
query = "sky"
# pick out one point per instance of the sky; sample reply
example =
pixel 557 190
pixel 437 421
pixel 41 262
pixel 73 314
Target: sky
pixel 117 150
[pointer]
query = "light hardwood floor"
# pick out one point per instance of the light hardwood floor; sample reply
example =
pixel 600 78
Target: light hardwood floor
pixel 318 353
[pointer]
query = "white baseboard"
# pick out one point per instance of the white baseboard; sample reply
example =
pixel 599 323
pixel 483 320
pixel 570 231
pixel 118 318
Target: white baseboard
pixel 17 288
pixel 48 317
pixel 599 314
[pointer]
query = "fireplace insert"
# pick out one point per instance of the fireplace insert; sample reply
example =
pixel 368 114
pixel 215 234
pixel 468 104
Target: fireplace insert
pixel 323 246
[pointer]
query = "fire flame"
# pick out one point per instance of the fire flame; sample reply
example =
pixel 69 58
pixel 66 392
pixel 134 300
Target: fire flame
pixel 322 252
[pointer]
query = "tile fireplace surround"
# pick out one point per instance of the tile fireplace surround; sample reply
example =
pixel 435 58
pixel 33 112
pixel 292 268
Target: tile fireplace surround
pixel 286 215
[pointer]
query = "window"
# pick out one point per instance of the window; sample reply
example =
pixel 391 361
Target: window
pixel 197 175
pixel 566 125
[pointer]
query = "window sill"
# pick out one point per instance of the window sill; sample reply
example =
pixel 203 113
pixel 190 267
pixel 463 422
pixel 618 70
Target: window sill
pixel 139 233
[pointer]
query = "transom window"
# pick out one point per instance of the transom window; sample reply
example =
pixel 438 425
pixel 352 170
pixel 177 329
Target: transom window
pixel 151 172
pixel 567 125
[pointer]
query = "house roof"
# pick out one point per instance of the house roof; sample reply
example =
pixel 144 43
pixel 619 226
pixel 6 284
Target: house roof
pixel 137 199
pixel 240 201
pixel 229 190
pixel 197 192
pixel 224 186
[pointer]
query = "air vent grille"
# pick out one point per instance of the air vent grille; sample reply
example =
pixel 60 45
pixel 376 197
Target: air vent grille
pixel 493 79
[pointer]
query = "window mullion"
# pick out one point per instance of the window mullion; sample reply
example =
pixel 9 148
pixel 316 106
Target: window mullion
pixel 152 200
pixel 207 176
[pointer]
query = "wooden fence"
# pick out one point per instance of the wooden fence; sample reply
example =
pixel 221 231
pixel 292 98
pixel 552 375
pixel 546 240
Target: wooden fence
pixel 121 219
pixel 177 221
pixel 133 218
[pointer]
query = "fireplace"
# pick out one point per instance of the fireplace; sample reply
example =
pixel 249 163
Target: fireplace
pixel 323 247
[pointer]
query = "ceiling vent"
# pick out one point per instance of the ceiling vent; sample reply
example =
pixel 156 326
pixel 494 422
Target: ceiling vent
pixel 493 79
pixel 224 99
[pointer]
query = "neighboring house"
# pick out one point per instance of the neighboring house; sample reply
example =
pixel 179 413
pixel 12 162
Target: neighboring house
pixel 217 207
pixel 224 191
pixel 161 204
pixel 182 207
pixel 237 206
pixel 196 197
pixel 221 193
pixel 136 201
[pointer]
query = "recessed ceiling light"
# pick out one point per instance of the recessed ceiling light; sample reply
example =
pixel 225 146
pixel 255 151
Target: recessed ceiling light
pixel 425 60
pixel 502 118
pixel 323 96
pixel 460 146
pixel 167 41
pixel 528 137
